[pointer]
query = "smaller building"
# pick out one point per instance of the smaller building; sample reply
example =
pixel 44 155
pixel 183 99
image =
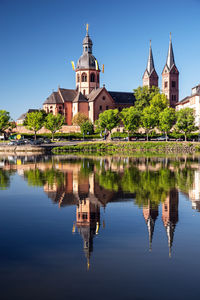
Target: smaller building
pixel 193 102
pixel 22 118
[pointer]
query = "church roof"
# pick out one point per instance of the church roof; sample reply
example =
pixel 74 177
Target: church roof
pixel 68 94
pixel 150 63
pixel 94 93
pixel 170 56
pixel 87 59
pixel 54 98
pixel 80 98
pixel 63 95
pixel 122 97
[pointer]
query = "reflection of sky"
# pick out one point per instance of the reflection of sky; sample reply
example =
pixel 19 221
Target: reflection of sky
pixel 40 258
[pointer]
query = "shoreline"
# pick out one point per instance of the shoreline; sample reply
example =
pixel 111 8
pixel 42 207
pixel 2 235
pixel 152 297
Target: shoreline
pixel 129 147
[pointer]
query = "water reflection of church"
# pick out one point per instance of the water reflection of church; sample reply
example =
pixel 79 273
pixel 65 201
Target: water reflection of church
pixel 169 217
pixel 85 192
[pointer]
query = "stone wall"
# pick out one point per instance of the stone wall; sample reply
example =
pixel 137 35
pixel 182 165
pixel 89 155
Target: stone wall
pixel 64 129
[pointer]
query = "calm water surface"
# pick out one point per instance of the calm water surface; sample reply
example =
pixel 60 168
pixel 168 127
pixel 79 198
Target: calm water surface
pixel 101 228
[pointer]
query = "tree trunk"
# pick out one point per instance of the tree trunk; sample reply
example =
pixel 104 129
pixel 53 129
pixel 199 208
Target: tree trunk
pixel 185 138
pixel 108 137
pixel 52 136
pixel 35 137
pixel 147 136
pixel 165 136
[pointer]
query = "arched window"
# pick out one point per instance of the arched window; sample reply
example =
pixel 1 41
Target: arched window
pixel 78 78
pixel 83 92
pixel 92 77
pixel 84 77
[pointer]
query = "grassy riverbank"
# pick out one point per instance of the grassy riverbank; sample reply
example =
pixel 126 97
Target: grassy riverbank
pixel 127 147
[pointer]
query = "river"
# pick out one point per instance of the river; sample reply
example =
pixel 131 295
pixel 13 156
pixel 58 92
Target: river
pixel 99 227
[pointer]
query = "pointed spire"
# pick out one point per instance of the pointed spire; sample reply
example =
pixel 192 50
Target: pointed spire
pixel 170 57
pixel 150 63
pixel 170 228
pixel 150 225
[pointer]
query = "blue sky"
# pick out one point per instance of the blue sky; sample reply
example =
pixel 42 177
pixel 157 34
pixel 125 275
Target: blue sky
pixel 40 38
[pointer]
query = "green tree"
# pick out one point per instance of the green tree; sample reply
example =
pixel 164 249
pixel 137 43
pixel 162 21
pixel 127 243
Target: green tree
pixel 185 121
pixel 159 102
pixel 167 119
pixel 144 95
pixel 79 119
pixel 35 121
pixel 53 123
pixel 149 119
pixel 130 118
pixel 108 120
pixel 4 120
pixel 86 127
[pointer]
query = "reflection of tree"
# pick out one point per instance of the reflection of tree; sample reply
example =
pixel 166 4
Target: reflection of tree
pixel 5 178
pixel 87 167
pixel 109 180
pixel 37 177
pixel 185 179
pixel 148 185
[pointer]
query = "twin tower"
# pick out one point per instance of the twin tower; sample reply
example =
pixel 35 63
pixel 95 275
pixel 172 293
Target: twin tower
pixel 170 76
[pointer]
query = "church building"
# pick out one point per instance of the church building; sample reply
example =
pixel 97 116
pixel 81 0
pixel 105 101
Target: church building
pixel 170 76
pixel 87 97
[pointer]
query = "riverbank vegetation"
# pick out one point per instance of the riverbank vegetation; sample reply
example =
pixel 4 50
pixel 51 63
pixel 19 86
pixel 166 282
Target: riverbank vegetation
pixel 128 147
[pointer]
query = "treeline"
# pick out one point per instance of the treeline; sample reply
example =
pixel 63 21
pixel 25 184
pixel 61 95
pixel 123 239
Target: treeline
pixel 151 111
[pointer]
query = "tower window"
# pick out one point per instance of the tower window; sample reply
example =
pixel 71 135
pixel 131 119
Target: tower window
pixel 84 77
pixel 83 92
pixel 92 77
pixel 173 84
pixel 166 84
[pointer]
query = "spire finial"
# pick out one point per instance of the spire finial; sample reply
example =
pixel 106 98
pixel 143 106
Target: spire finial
pixel 87 28
pixel 88 264
pixel 170 36
pixel 150 43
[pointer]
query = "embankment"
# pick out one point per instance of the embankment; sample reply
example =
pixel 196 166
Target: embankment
pixel 128 147
pixel 22 149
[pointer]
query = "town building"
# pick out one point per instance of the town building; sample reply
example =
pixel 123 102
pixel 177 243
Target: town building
pixel 193 102
pixel 87 97
pixel 21 119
